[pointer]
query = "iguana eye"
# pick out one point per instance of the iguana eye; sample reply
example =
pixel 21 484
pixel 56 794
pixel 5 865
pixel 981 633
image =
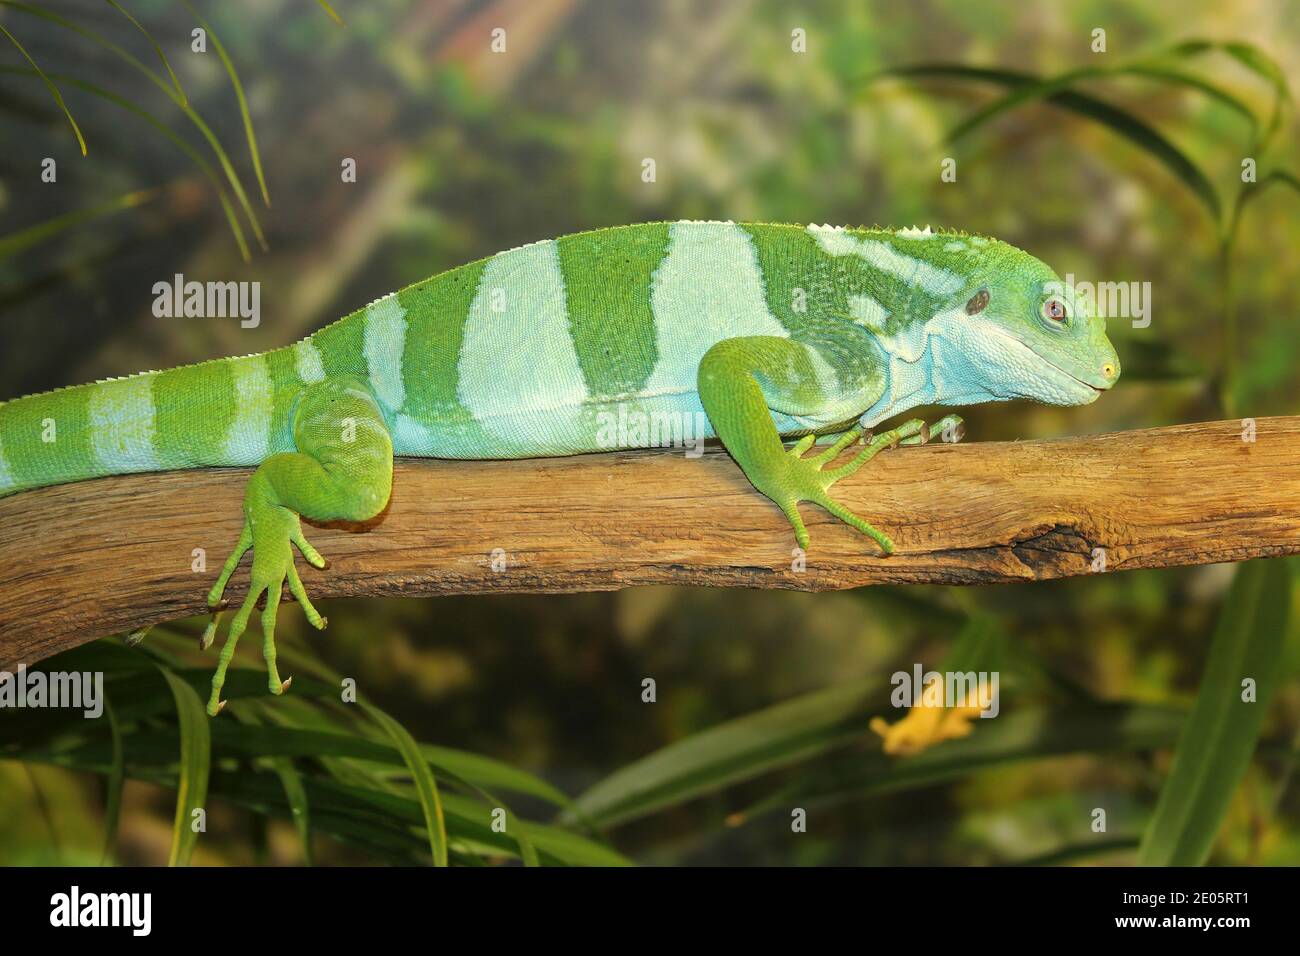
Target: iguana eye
pixel 978 302
pixel 1055 310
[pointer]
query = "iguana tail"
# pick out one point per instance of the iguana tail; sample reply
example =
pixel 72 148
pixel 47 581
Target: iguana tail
pixel 233 411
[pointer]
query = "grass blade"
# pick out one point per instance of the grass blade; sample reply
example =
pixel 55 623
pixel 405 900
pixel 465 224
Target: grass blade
pixel 49 84
pixel 1026 87
pixel 1284 177
pixel 1021 93
pixel 294 791
pixel 1253 59
pixel 239 95
pixel 1174 77
pixel 195 764
pixel 113 787
pixel 977 646
pixel 1219 736
pixel 43 808
pixel 328 739
pixel 236 186
pixel 299 807
pixel 1027 734
pixel 330 10
pixel 279 744
pixel 156 48
pixel 204 166
pixel 1066 855
pixel 1262 64
pixel 1279 176
pixel 527 852
pixel 478 770
pixel 24 239
pixel 484 772
pixel 425 786
pixel 1153 69
pixel 736 750
pixel 368 816
pixel 351 767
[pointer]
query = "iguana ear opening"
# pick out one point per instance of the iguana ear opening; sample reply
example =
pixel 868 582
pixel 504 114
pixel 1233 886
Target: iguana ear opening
pixel 978 302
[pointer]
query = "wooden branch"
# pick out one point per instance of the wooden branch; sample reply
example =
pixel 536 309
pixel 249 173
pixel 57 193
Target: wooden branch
pixel 82 561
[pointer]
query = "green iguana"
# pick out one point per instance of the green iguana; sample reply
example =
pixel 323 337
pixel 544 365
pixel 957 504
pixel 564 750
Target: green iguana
pixel 759 331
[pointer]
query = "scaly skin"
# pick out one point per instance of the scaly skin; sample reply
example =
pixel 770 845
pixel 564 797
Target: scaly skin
pixel 754 332
pixel 342 470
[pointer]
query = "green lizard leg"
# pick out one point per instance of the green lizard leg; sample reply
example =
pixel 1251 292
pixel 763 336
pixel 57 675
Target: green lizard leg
pixel 342 470
pixel 740 381
pixel 913 431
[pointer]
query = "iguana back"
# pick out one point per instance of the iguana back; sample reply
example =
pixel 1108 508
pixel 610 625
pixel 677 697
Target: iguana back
pixel 518 355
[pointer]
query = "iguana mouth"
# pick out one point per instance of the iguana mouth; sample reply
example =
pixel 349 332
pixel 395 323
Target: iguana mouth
pixel 1071 377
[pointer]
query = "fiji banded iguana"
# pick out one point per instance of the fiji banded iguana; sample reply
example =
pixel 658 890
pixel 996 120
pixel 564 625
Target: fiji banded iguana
pixel 760 331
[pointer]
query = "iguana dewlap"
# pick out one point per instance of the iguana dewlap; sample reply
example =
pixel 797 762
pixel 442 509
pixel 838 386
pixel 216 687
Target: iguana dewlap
pixel 757 330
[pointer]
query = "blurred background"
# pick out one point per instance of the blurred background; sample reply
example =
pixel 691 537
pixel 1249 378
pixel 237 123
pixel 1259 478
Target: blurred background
pixel 462 150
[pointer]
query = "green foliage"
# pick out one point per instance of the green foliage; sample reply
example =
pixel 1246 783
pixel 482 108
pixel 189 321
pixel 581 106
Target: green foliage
pixel 1220 735
pixel 49 84
pixel 330 10
pixel 426 787
pixel 348 772
pixel 24 239
pixel 354 775
pixel 738 750
pixel 174 92
pixel 238 87
pixel 1165 66
pixel 192 772
pixel 162 57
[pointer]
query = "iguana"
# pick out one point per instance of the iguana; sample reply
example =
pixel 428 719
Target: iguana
pixel 770 331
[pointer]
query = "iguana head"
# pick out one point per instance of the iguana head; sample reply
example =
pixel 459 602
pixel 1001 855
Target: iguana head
pixel 1030 335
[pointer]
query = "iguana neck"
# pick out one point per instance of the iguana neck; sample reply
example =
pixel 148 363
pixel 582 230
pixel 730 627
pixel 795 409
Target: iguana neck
pixel 926 365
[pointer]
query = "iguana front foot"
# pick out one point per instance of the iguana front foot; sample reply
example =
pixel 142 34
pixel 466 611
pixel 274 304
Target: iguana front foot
pixel 807 479
pixel 271 530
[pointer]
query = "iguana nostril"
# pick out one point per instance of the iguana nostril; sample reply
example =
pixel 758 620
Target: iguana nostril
pixel 1108 370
